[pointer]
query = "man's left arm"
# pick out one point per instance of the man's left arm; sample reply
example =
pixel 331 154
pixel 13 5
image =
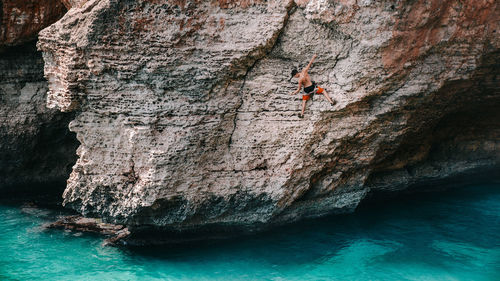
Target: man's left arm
pixel 298 89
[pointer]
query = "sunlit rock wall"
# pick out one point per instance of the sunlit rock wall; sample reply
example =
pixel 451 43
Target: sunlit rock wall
pixel 184 118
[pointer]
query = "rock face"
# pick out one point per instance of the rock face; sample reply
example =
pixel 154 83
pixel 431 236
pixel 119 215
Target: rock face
pixel 20 21
pixel 185 122
pixel 36 148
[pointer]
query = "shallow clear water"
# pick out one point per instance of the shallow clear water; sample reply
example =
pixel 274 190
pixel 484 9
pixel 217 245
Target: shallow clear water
pixel 452 235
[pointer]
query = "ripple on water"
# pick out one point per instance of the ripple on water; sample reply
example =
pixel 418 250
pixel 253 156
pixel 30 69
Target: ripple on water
pixel 451 235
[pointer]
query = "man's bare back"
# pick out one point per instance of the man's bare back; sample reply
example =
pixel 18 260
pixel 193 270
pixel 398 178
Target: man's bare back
pixel 305 79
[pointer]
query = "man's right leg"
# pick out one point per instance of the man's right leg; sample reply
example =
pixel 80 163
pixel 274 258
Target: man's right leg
pixel 303 108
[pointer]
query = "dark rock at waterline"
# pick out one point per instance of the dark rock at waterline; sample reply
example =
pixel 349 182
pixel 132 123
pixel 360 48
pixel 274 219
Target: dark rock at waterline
pixel 93 225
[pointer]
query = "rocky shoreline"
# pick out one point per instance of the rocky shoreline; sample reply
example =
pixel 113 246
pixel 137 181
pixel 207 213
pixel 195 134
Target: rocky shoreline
pixel 121 236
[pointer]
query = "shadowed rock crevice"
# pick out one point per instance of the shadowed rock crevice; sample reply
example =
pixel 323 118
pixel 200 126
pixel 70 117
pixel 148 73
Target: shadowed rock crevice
pixel 37 150
pixel 462 143
pixel 463 138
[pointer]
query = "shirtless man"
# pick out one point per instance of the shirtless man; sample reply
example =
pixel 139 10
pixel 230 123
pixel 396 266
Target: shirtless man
pixel 310 87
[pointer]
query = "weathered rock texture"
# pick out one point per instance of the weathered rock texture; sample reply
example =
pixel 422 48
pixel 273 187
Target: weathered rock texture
pixel 36 148
pixel 21 20
pixel 185 122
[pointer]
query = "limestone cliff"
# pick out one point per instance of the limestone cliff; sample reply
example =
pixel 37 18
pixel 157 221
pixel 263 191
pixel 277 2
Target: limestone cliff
pixel 36 148
pixel 185 122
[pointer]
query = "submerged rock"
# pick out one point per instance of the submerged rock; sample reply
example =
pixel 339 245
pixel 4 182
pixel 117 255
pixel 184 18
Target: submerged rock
pixel 79 223
pixel 185 123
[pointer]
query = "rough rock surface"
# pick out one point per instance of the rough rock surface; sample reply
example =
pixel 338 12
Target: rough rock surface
pixel 185 122
pixel 20 21
pixel 36 148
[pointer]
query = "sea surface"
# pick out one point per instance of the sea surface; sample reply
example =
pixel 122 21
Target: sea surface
pixel 448 235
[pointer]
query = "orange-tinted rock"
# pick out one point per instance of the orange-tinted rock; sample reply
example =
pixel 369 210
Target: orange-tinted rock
pixel 22 20
pixel 424 24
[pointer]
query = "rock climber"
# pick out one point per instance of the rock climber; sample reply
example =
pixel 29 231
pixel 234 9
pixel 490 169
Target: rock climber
pixel 310 87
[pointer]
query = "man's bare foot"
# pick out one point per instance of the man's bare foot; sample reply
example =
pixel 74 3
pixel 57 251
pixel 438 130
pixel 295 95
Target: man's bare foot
pixel 301 115
pixel 333 103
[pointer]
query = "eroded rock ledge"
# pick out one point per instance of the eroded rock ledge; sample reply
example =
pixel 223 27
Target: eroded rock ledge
pixel 185 123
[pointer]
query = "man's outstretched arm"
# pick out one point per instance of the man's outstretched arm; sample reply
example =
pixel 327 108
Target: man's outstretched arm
pixel 310 63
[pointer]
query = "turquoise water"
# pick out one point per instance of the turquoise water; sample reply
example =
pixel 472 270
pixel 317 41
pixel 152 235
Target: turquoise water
pixel 452 235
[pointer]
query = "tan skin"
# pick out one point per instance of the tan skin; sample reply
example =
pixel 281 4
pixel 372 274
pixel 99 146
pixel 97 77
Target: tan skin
pixel 305 81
